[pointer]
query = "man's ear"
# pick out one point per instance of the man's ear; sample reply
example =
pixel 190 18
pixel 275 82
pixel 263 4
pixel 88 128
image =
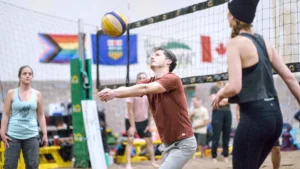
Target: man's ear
pixel 169 62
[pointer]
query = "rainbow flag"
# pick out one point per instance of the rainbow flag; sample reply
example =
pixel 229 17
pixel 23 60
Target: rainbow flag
pixel 58 48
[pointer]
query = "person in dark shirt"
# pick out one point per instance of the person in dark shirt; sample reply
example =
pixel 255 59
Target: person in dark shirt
pixel 102 121
pixel 250 62
pixel 221 123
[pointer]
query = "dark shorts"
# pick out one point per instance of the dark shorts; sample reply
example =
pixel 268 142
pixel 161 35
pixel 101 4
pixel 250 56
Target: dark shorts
pixel 276 144
pixel 201 139
pixel 140 128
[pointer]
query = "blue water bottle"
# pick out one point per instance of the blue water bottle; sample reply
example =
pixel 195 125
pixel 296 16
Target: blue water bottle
pixel 107 159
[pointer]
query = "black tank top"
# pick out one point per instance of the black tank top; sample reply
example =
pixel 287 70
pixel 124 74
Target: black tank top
pixel 257 80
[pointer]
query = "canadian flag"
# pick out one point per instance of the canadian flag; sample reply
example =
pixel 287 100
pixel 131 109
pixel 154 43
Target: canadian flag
pixel 206 49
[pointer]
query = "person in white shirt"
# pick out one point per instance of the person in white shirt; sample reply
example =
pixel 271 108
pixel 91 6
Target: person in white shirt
pixel 200 119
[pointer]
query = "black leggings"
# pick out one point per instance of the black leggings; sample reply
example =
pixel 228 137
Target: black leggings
pixel 259 128
pixel 221 122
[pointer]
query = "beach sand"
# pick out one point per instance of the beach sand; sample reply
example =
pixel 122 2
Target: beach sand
pixel 289 160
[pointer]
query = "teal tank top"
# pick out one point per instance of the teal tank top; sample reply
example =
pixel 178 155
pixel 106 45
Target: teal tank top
pixel 22 122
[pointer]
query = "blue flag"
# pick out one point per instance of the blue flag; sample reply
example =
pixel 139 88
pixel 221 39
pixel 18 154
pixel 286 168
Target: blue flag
pixel 113 51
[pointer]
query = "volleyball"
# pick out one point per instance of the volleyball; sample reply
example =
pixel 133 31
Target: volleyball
pixel 113 24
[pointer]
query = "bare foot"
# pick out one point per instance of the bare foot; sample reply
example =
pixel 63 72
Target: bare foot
pixel 215 160
pixel 154 165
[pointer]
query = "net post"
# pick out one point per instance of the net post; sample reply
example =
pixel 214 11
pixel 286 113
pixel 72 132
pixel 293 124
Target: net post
pixel 98 34
pixel 81 36
pixel 128 57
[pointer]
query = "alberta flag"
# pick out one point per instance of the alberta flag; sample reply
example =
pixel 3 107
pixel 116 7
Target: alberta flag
pixel 113 51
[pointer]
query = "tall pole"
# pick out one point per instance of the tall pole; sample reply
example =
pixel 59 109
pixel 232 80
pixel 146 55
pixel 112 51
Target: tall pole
pixel 78 93
pixel 128 49
pixel 274 13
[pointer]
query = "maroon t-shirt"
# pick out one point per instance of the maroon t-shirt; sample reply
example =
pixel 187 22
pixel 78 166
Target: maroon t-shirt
pixel 169 109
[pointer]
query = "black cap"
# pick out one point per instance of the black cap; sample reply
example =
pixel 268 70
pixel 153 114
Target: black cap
pixel 243 10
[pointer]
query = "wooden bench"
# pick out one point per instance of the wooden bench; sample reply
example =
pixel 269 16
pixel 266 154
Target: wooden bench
pixel 137 144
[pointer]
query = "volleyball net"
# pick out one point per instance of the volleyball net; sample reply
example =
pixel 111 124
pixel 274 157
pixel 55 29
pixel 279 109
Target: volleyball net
pixel 33 38
pixel 198 34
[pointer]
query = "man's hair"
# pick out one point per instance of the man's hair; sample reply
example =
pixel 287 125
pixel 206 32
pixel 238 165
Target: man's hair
pixel 141 73
pixel 170 55
pixel 197 97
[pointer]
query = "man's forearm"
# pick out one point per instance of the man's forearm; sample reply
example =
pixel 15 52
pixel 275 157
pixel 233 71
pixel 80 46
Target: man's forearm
pixel 131 119
pixel 133 91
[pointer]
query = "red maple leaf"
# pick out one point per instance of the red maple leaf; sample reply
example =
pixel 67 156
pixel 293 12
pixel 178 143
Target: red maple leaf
pixel 221 49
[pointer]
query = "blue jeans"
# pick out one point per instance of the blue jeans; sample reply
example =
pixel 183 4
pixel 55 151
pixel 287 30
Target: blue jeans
pixel 30 149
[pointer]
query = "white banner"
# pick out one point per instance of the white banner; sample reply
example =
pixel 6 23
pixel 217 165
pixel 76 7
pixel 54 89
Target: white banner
pixel 92 130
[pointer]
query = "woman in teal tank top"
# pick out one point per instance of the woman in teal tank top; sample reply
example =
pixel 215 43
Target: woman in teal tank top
pixel 23 109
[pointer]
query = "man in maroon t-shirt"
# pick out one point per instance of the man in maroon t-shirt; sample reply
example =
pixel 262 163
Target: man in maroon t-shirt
pixel 169 108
